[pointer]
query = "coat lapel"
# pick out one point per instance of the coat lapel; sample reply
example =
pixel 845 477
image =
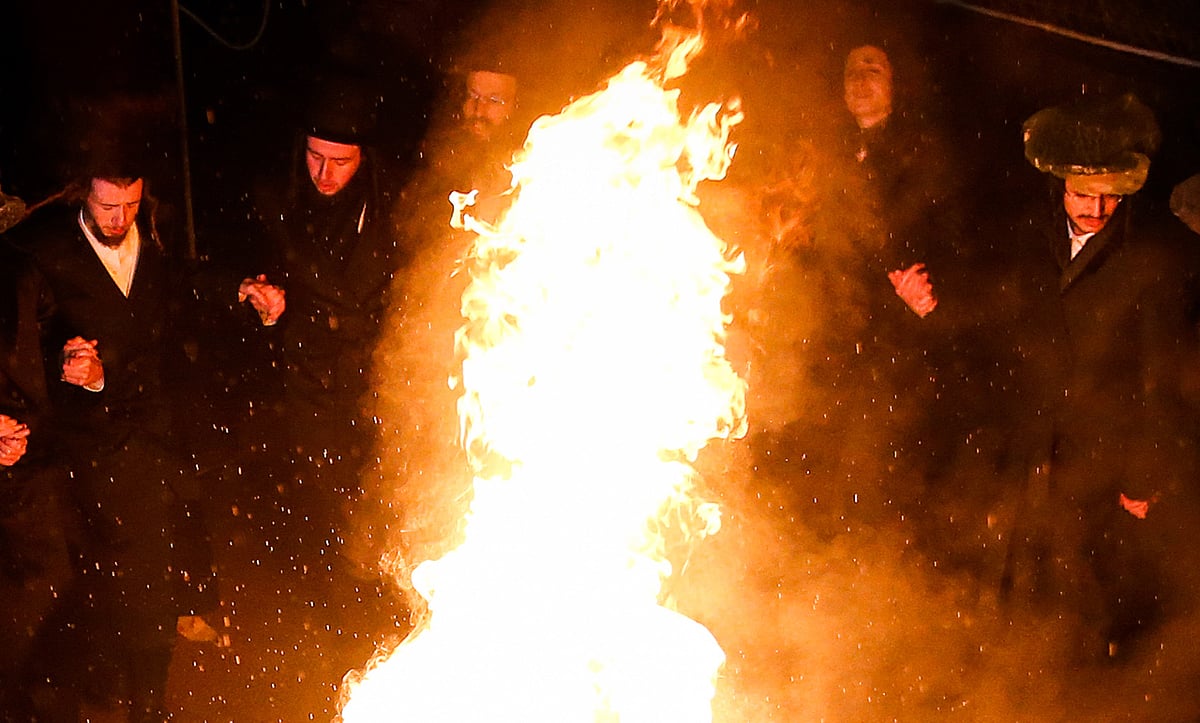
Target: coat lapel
pixel 91 269
pixel 145 273
pixel 1093 251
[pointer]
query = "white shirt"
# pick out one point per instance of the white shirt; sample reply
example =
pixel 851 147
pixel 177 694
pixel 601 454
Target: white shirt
pixel 1078 240
pixel 121 262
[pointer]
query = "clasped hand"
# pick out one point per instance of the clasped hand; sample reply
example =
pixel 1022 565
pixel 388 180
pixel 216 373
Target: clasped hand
pixel 14 438
pixel 81 364
pixel 266 298
pixel 913 285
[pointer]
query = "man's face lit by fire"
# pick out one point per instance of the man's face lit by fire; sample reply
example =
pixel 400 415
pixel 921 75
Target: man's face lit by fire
pixel 111 208
pixel 1089 212
pixel 489 104
pixel 331 165
pixel 867 85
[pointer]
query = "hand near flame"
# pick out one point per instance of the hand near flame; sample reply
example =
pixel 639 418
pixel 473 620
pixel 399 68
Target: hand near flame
pixel 1137 508
pixel 913 285
pixel 266 298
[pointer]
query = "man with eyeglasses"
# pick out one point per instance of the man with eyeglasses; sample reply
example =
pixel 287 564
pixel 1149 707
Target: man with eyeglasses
pixel 488 132
pixel 468 148
pixel 491 97
pixel 1106 345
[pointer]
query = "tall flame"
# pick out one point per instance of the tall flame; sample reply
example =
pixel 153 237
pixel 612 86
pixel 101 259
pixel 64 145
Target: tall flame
pixel 593 373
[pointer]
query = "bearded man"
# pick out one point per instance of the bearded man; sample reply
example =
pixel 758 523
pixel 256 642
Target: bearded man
pixel 110 302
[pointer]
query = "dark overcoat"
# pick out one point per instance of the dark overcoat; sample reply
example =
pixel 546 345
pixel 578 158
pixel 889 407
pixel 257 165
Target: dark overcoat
pixel 126 479
pixel 1104 344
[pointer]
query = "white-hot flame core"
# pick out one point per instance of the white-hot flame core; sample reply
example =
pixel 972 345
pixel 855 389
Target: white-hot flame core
pixel 593 373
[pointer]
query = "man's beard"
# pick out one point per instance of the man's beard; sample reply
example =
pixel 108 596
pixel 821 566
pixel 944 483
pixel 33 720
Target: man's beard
pixel 480 130
pixel 111 242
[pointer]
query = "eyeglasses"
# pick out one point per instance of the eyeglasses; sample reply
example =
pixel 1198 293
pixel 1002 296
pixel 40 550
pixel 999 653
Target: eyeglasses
pixel 486 99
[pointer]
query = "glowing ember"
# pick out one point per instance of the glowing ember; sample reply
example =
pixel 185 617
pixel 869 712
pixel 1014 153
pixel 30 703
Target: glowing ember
pixel 593 374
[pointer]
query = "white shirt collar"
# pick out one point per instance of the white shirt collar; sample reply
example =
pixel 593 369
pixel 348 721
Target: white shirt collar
pixel 120 262
pixel 1078 240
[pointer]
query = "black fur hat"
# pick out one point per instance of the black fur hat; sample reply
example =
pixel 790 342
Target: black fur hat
pixel 1096 144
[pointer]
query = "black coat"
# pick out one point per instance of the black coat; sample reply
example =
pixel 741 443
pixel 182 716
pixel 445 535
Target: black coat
pixel 1103 344
pixel 335 256
pixel 881 209
pixel 126 479
pixel 78 298
pixel 138 555
pixel 1106 340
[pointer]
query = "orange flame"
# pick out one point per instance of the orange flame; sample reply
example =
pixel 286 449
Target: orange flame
pixel 593 373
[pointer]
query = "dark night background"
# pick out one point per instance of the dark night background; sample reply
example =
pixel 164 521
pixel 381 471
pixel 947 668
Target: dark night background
pixel 245 68
pixel 245 64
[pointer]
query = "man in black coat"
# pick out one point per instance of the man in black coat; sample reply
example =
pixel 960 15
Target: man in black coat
pixel 110 302
pixel 329 243
pixel 1107 338
pixel 868 363
pixel 326 237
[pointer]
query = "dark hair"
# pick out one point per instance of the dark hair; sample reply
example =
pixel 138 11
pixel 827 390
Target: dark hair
pixel 366 179
pixel 907 74
pixel 76 193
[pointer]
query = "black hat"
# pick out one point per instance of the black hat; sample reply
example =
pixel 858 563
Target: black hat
pixel 341 108
pixel 119 136
pixel 117 156
pixel 1098 145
